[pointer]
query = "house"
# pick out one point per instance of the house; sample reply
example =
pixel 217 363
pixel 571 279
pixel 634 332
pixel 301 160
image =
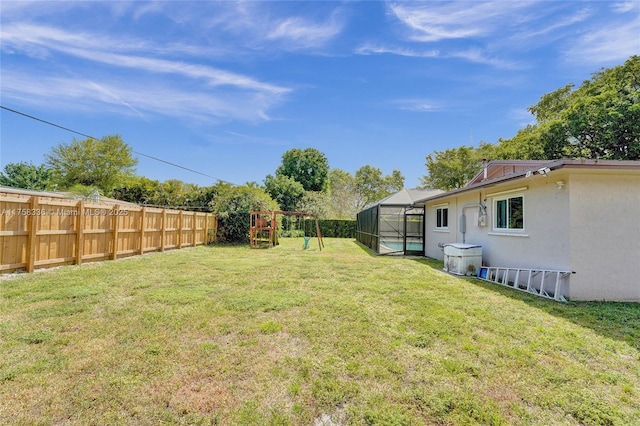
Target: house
pixel 394 225
pixel 580 216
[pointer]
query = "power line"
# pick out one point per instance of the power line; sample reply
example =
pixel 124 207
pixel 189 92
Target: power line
pixel 92 137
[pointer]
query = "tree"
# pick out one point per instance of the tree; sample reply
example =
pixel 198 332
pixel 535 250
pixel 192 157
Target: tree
pixel 285 190
pixel 26 176
pixel 139 190
pixel 233 205
pixel 373 186
pixel 599 119
pixel 452 168
pixel 310 167
pixel 316 202
pixel 104 163
pixel 603 118
pixel 345 200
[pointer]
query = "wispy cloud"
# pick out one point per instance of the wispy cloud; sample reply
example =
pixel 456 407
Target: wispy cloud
pixel 373 49
pixel 610 42
pixel 221 93
pixel 82 94
pixel 475 55
pixel 430 22
pixel 257 26
pixel 481 56
pixel 299 33
pixel 417 105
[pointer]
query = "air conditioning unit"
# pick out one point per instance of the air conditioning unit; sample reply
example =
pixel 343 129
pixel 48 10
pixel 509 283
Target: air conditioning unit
pixel 462 259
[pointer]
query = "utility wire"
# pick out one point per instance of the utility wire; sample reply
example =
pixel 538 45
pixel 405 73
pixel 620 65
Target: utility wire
pixel 92 137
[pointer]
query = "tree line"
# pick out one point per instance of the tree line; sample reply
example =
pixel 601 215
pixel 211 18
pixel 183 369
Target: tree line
pixel 302 182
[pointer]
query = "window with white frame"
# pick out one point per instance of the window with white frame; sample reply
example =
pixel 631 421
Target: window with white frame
pixel 442 217
pixel 509 212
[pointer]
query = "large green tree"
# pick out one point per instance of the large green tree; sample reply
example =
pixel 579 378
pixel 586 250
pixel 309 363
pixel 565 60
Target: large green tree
pixel 308 166
pixel 285 190
pixel 373 186
pixel 26 176
pixel 453 168
pixel 103 163
pixel 599 119
pixel 603 118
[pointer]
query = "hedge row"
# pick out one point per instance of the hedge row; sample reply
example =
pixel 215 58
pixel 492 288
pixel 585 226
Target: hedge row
pixel 332 228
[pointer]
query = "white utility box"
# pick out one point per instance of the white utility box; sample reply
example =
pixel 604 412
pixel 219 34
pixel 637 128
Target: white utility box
pixel 462 259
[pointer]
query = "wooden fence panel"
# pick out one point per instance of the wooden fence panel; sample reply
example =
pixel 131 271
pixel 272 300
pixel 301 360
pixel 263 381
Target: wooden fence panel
pixel 153 229
pixel 187 228
pixel 37 232
pixel 98 232
pixel 14 233
pixel 171 227
pixel 55 236
pixel 129 225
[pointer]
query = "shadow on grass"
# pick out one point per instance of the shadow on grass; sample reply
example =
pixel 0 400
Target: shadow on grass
pixel 615 320
pixel 366 249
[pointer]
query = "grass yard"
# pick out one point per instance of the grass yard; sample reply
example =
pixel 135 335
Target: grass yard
pixel 229 335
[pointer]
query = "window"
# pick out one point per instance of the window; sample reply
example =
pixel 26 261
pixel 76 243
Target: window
pixel 509 213
pixel 442 218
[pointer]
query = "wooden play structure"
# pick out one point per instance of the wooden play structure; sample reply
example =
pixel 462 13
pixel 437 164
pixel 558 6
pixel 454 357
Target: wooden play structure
pixel 264 225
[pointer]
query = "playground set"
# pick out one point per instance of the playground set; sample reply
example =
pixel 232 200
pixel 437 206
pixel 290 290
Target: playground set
pixel 264 225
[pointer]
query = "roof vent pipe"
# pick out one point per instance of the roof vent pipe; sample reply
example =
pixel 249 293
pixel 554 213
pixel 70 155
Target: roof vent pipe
pixel 484 165
pixel 463 218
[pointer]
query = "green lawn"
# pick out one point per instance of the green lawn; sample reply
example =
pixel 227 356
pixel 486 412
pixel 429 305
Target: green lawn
pixel 229 335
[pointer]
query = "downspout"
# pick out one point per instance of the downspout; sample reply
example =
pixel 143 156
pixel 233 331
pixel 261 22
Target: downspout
pixel 463 218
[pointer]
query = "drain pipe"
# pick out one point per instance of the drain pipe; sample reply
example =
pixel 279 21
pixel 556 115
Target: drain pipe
pixel 463 218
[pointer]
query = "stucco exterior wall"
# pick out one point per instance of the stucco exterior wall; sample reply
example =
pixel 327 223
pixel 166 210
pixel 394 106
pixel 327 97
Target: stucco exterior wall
pixel 605 236
pixel 544 242
pixel 590 224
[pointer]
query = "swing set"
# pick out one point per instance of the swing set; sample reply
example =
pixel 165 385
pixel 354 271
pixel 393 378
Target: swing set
pixel 264 225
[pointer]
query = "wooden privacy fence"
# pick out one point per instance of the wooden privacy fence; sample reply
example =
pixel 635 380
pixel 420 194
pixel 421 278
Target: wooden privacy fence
pixel 41 232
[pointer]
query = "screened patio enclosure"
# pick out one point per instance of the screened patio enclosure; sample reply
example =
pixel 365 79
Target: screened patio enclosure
pixel 394 225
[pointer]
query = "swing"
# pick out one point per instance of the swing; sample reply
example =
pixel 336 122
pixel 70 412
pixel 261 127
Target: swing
pixel 305 245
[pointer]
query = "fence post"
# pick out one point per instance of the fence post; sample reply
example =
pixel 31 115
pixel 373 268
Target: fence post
pixel 193 225
pixel 164 228
pixel 114 210
pixel 142 225
pixel 80 233
pixel 33 235
pixel 205 237
pixel 180 229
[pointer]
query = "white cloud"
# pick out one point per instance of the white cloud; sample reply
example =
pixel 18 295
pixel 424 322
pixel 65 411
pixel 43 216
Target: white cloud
pixel 430 22
pixel 196 89
pixel 371 49
pixel 477 55
pixel 480 56
pixel 610 42
pixel 300 33
pixel 417 105
pixel 134 98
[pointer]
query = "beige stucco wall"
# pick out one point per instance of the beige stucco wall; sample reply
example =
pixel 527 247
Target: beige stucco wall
pixel 605 236
pixel 591 226
pixel 544 242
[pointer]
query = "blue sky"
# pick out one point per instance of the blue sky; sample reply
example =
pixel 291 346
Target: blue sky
pixel 225 88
